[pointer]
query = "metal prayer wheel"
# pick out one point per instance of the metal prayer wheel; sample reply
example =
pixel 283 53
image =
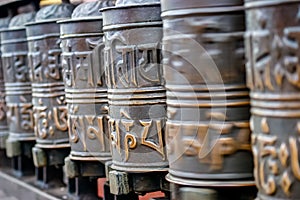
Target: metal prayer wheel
pixel 3 109
pixel 86 90
pixel 4 22
pixel 207 132
pixel 17 82
pixel 136 95
pixel 272 46
pixel 48 92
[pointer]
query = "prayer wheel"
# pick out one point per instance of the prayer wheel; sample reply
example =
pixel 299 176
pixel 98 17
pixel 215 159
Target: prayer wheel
pixel 85 86
pixel 17 84
pixel 4 22
pixel 48 92
pixel 208 130
pixel 272 51
pixel 136 94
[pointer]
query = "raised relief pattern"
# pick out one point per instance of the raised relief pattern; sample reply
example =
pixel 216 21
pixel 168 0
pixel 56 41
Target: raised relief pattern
pixel 272 58
pixel 133 66
pixel 276 161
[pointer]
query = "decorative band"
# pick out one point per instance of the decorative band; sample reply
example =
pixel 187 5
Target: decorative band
pixel 225 95
pixel 86 91
pixel 48 90
pixel 79 35
pixel 52 146
pixel 205 88
pixel 18 85
pixel 140 96
pixel 219 125
pixel 133 25
pixel 275 97
pixel 47 85
pixel 86 101
pixel 208 10
pixel 13 41
pixel 287 113
pixel 44 36
pixel 266 3
pixel 41 95
pixel 18 92
pixel 207 183
pixel 22 136
pixel 136 90
pixel 275 105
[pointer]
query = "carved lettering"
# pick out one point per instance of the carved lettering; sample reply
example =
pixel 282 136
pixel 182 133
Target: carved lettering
pixel 48 120
pixel 27 121
pixel 294 158
pixel 276 162
pixel 96 131
pixel 115 134
pixel 125 68
pixel 78 68
pixel 196 141
pixel 60 118
pixel 129 143
pixel 68 70
pixel 171 132
pixel 3 108
pixel 150 142
pixel 21 116
pixel 130 140
pixel 134 66
pixel 83 69
pixel 45 65
pixel 35 62
pixel 264 47
pixel 53 68
pixel 73 132
pixel 16 69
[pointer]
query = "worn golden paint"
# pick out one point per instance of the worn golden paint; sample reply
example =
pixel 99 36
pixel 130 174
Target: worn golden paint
pixel 158 147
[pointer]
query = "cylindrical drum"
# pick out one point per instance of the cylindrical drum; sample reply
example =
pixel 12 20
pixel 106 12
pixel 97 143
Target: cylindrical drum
pixel 86 90
pixel 48 92
pixel 4 22
pixel 136 93
pixel 17 79
pixel 208 133
pixel 272 50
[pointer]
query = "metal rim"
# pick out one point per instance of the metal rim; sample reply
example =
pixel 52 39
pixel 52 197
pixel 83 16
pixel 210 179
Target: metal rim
pixel 190 182
pixel 267 3
pixel 210 10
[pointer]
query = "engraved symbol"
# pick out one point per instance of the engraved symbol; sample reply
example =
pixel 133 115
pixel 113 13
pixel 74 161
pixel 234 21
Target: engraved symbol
pixel 147 142
pixel 286 183
pixel 283 154
pixel 130 143
pixel 264 126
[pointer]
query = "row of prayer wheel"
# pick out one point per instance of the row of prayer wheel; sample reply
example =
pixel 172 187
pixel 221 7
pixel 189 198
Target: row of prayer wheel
pixel 203 93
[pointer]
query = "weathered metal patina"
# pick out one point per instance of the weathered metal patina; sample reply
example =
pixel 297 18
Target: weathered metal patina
pixel 272 50
pixel 17 81
pixel 4 22
pixel 136 95
pixel 18 93
pixel 48 92
pixel 85 86
pixel 135 88
pixel 86 95
pixel 208 133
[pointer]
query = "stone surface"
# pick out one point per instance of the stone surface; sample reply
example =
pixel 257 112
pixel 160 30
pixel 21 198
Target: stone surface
pixel 5 196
